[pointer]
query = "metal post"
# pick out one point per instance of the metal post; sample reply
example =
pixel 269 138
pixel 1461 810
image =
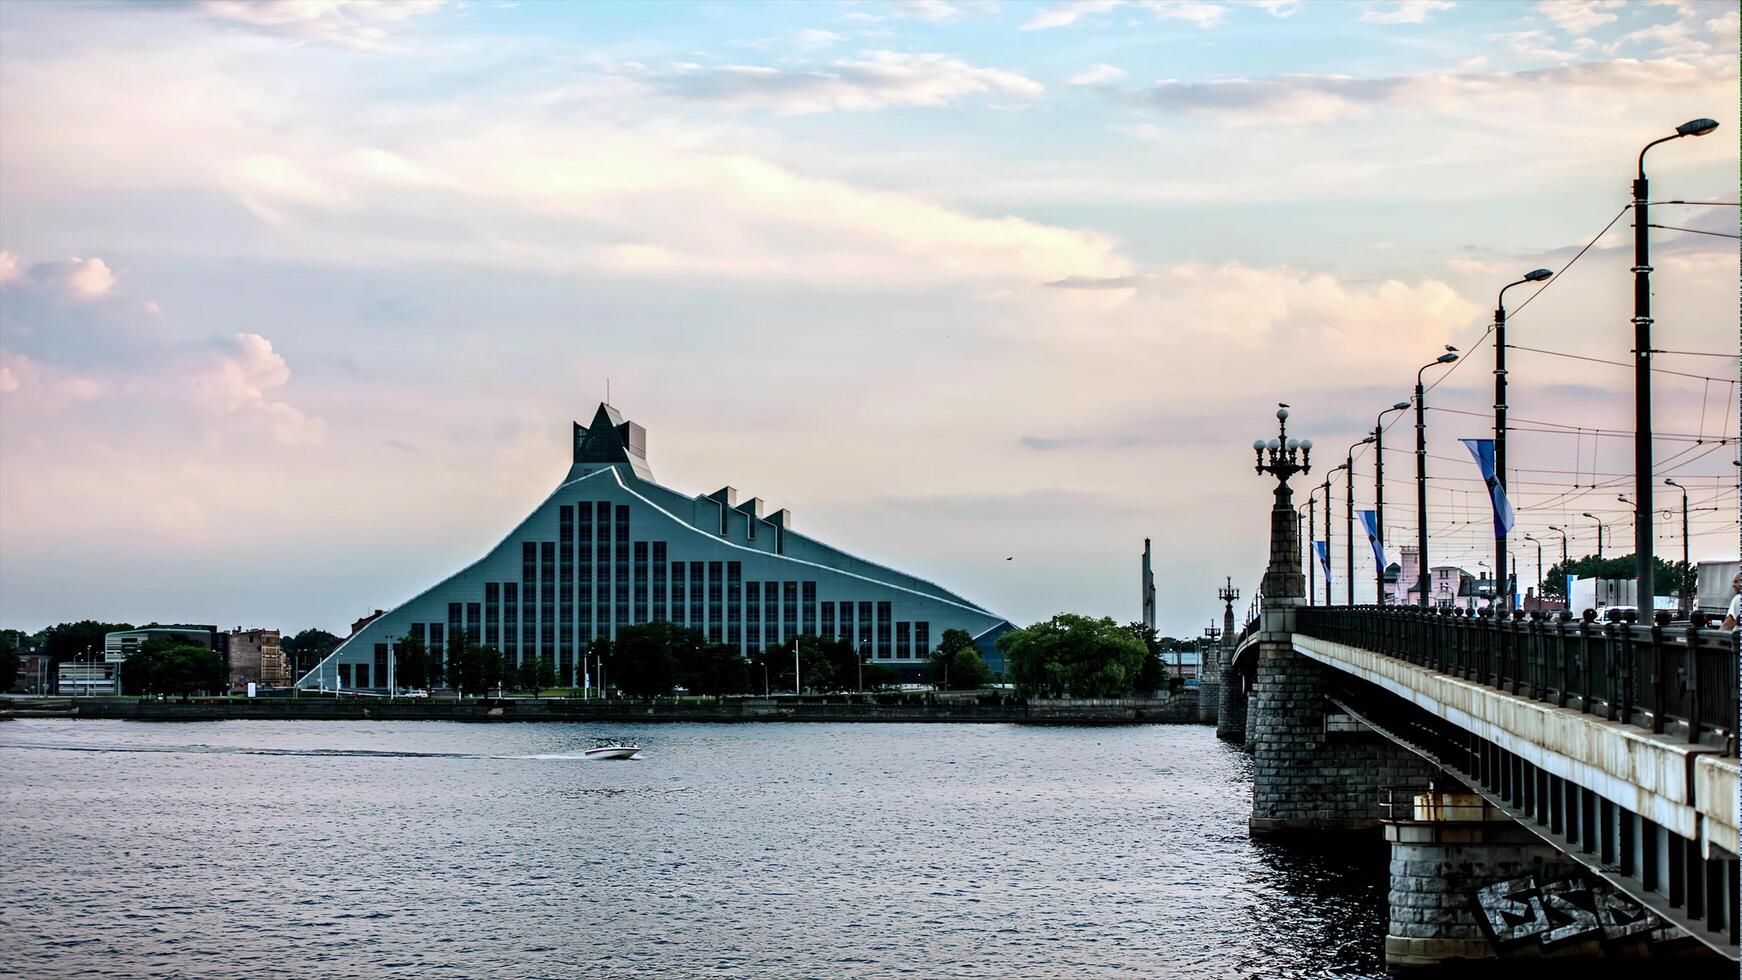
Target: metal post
pixel 1642 537
pixel 1312 546
pixel 1500 443
pixel 1379 509
pixel 1327 489
pixel 1349 528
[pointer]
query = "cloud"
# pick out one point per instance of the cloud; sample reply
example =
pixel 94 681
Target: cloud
pixel 1321 98
pixel 1279 8
pixel 877 80
pixel 1532 44
pixel 1096 75
pixel 1097 282
pixel 236 382
pixel 941 11
pixel 84 279
pixel 9 271
pixel 1404 11
pixel 1578 16
pixel 365 25
pixel 811 37
pixel 1194 12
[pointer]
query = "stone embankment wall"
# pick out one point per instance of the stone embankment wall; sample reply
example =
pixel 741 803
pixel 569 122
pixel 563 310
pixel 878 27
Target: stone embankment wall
pixel 1179 709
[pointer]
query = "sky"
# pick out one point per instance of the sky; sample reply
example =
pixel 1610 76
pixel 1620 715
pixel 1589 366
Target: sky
pixel 298 299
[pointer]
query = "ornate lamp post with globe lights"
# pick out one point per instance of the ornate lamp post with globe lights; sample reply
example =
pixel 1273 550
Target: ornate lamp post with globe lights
pixel 1283 457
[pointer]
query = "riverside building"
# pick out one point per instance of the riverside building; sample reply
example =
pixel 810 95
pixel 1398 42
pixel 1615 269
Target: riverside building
pixel 611 548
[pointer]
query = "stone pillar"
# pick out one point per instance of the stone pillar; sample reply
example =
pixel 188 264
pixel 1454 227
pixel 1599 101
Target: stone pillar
pixel 1469 884
pixel 1231 703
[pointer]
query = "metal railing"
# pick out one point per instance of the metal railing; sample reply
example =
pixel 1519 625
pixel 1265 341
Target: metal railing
pixel 1657 677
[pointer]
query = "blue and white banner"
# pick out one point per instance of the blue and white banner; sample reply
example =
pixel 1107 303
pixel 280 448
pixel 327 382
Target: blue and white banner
pixel 1370 521
pixel 1483 451
pixel 1324 559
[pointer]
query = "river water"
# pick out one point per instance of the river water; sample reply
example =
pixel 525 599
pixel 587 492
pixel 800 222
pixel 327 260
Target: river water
pixel 786 850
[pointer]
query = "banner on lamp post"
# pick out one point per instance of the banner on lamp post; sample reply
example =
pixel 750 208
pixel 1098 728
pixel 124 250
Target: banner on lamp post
pixel 1324 559
pixel 1370 521
pixel 1483 451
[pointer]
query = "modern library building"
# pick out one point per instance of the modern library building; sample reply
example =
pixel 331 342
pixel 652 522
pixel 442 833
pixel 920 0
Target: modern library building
pixel 611 548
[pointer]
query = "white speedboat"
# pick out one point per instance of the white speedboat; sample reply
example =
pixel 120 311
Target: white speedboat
pixel 607 749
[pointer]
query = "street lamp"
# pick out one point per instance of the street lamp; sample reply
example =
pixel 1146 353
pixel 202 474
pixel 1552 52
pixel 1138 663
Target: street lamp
pixel 1687 567
pixel 1421 572
pixel 1311 532
pixel 1538 568
pixel 1487 573
pixel 1535 275
pixel 1326 487
pixel 1599 521
pixel 1283 457
pixel 1563 535
pixel 1379 497
pixel 1642 458
pixel 1349 523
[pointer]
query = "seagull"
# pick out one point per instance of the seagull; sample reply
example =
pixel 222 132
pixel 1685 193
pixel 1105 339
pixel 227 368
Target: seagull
pixel 1011 558
pixel 1282 405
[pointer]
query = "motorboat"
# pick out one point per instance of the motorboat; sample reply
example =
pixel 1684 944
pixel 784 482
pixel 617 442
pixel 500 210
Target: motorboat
pixel 605 748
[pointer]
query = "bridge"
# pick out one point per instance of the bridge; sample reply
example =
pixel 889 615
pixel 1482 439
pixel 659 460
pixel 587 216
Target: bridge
pixel 1546 786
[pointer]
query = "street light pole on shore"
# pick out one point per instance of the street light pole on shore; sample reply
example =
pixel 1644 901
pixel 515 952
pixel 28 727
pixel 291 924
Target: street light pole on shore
pixel 1379 499
pixel 1599 521
pixel 1687 566
pixel 1326 486
pixel 1642 456
pixel 1349 523
pixel 1422 575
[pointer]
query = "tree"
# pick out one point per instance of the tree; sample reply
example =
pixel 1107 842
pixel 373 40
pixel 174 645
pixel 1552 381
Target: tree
pixel 491 669
pixel 1074 655
pixel 1668 578
pixel 546 674
pixel 956 664
pixel 9 659
pixel 645 658
pixel 171 666
pixel 526 675
pixel 308 648
pixel 411 663
pixel 713 670
pixel 435 668
pixel 70 641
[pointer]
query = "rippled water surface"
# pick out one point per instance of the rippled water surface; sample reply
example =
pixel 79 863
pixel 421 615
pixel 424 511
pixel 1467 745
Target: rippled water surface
pixel 425 848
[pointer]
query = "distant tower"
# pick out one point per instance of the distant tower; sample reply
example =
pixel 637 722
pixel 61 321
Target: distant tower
pixel 1148 586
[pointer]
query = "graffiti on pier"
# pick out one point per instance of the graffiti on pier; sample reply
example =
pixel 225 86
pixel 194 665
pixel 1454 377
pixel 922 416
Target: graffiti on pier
pixel 1564 911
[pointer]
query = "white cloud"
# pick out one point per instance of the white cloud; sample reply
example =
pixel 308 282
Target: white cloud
pixel 1279 8
pixel 877 80
pixel 1579 16
pixel 237 383
pixel 1536 45
pixel 1096 75
pixel 811 37
pixel 940 11
pixel 1195 12
pixel 358 24
pixel 9 271
pixel 79 278
pixel 1404 11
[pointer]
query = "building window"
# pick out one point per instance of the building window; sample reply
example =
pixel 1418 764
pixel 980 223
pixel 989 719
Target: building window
pixel 528 561
pixel 903 642
pixel 584 568
pixel 789 611
pixel 716 590
pixel 621 554
pixel 753 609
pixel 455 623
pixel 641 578
pixel 884 617
pixel 922 638
pixel 828 620
pixel 492 614
pixel 698 598
pixel 846 631
pixel 659 566
pixel 510 620
pixel 865 629
pixel 810 609
pixel 679 594
pixel 381 664
pixel 362 675
pixel 734 604
pixel 344 675
pixel 566 580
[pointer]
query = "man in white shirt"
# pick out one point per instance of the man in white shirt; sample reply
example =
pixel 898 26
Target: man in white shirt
pixel 1734 613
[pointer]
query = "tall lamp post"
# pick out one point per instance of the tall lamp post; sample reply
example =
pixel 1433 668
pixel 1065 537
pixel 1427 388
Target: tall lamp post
pixel 1283 457
pixel 1487 573
pixel 1326 487
pixel 1212 633
pixel 1349 523
pixel 1538 568
pixel 1563 535
pixel 1379 497
pixel 1681 600
pixel 1310 558
pixel 1642 530
pixel 1422 575
pixel 1599 521
pixel 1535 275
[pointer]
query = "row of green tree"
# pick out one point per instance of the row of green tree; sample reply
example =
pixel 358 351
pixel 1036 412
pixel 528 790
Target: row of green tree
pixel 1081 657
pixel 173 666
pixel 84 639
pixel 1668 577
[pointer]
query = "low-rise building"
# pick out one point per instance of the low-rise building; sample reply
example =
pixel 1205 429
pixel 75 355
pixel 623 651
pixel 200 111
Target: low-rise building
pixel 121 644
pixel 257 657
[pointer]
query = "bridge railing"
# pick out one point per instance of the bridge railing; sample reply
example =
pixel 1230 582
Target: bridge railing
pixel 1647 675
